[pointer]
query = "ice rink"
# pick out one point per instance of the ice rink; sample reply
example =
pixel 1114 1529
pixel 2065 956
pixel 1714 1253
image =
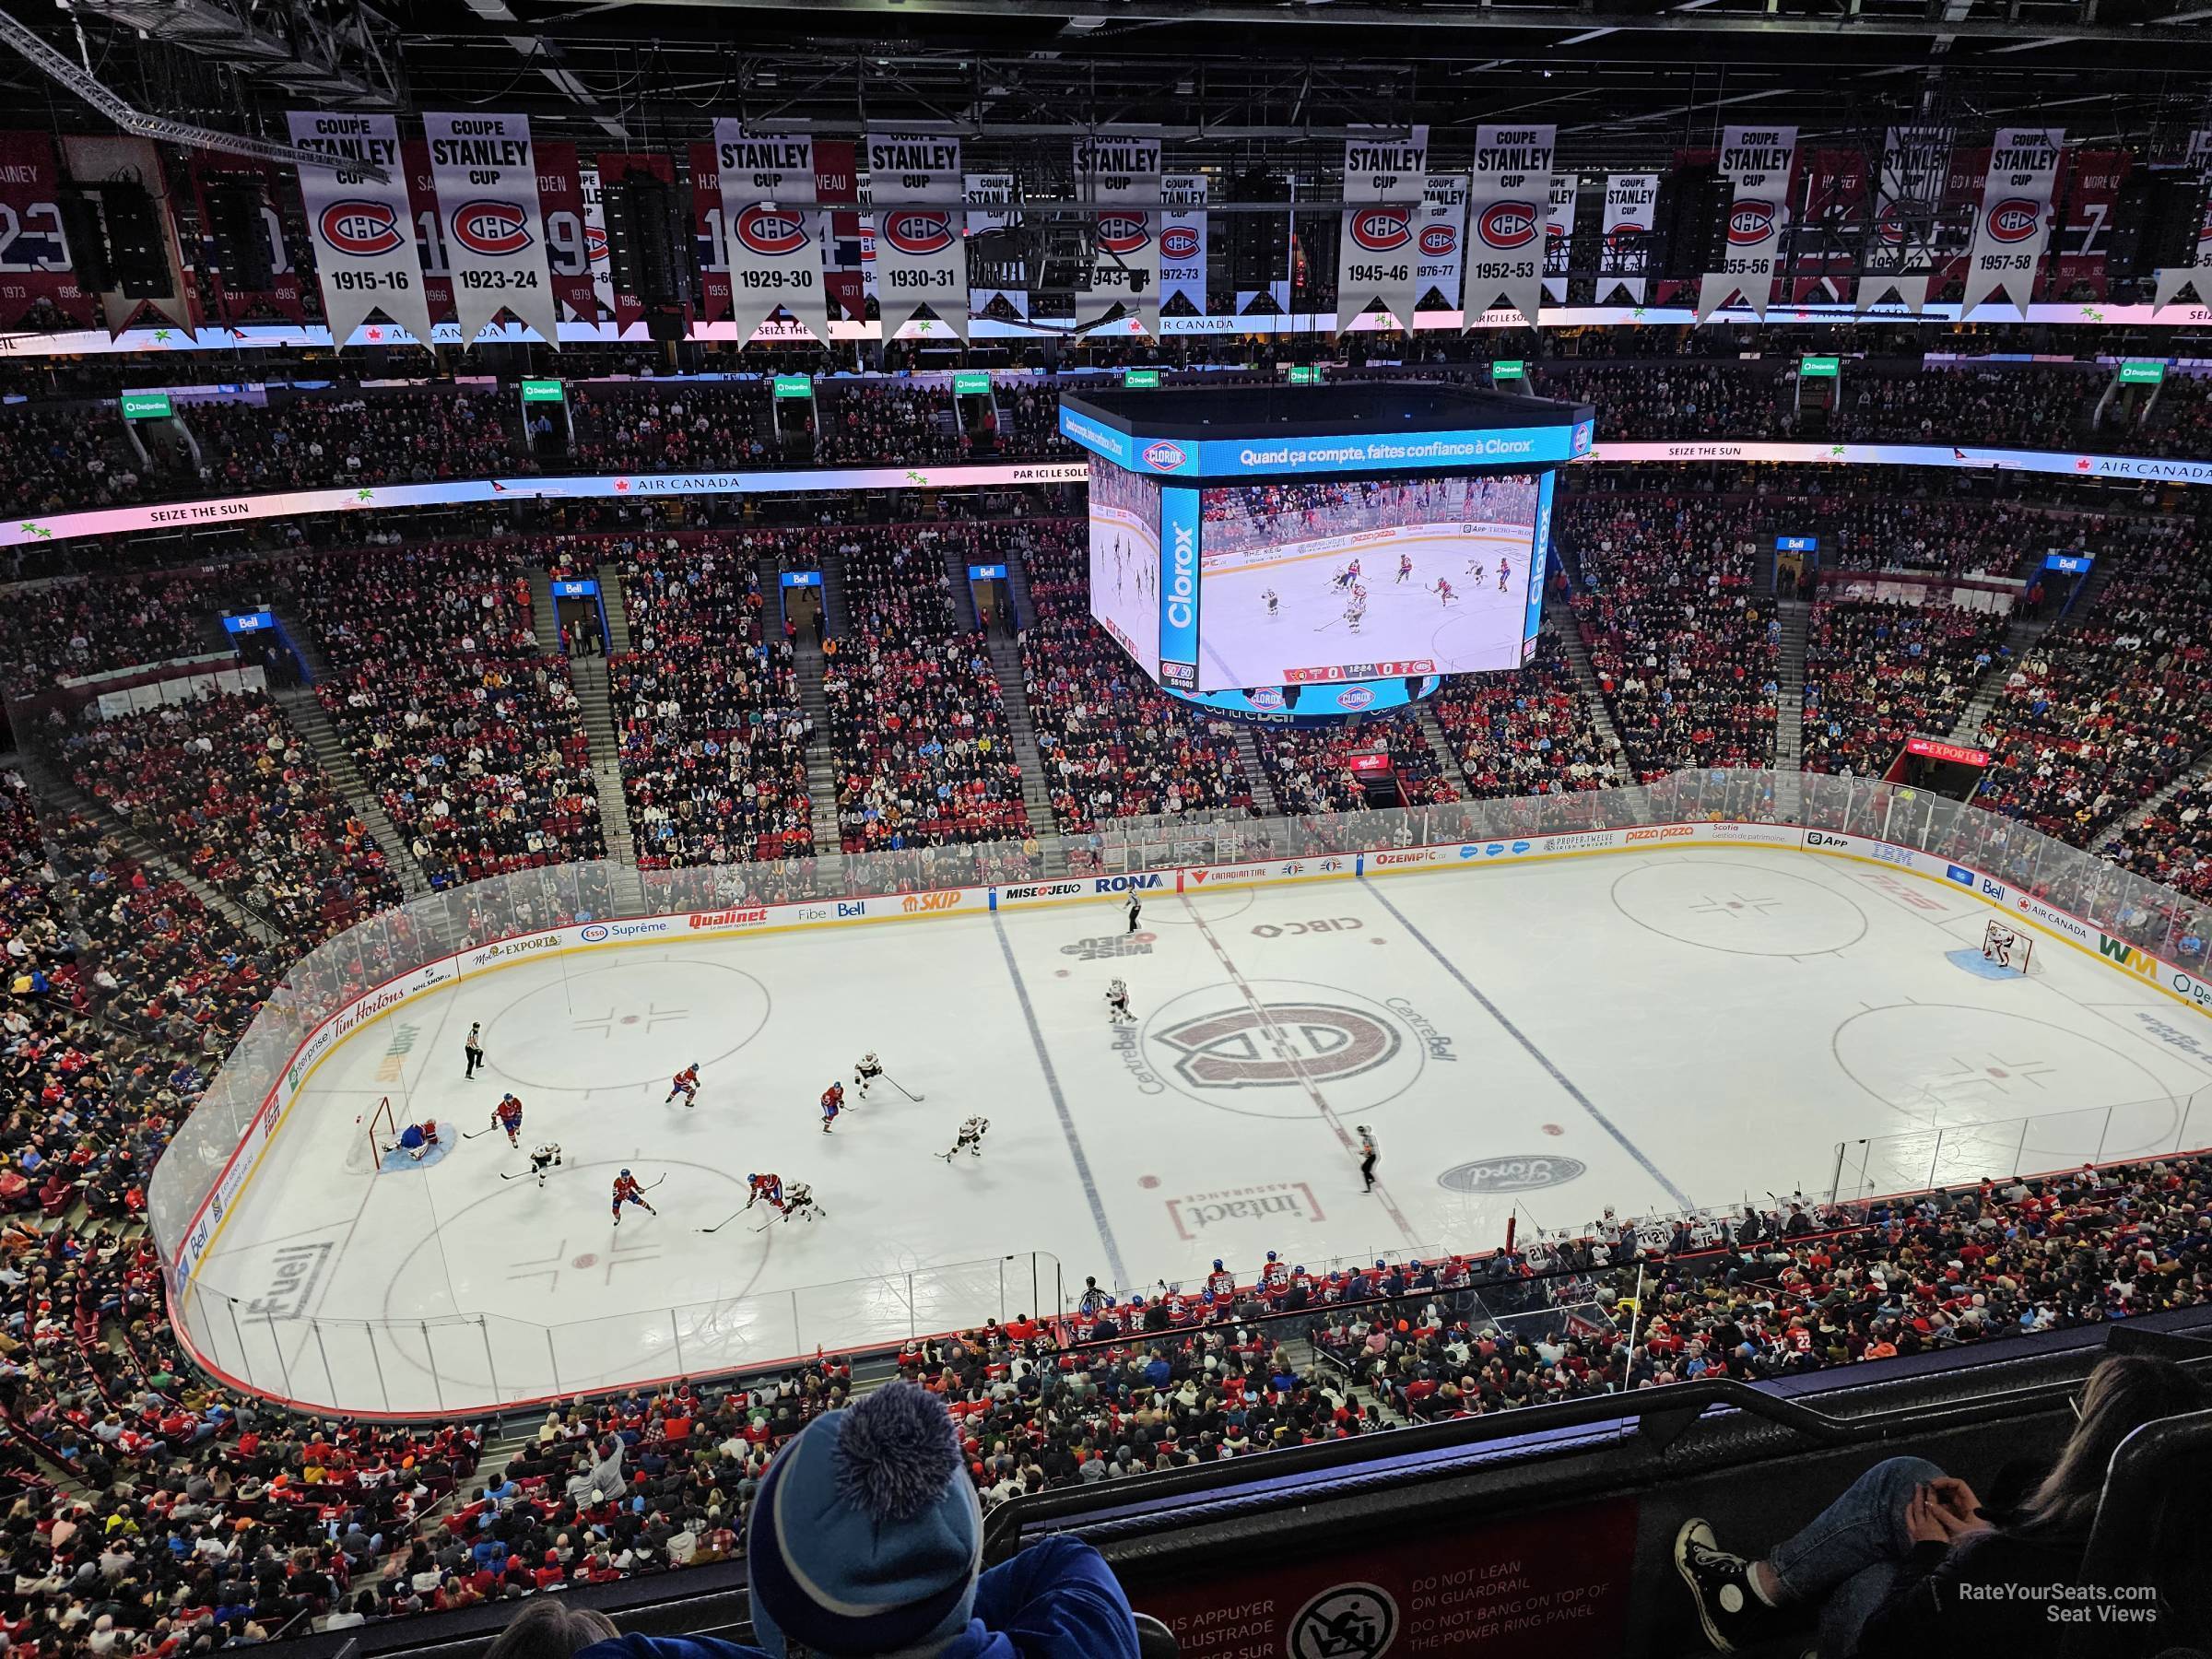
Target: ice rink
pixel 1479 627
pixel 1647 1031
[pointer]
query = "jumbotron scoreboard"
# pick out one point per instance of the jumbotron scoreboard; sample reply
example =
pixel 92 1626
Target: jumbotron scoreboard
pixel 1319 552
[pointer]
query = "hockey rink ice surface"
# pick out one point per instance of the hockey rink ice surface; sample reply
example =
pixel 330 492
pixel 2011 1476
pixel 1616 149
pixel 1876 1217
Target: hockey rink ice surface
pixel 1646 1031
pixel 1479 628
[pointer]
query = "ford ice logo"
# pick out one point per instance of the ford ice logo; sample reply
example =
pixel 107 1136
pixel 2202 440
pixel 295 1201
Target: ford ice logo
pixel 1164 456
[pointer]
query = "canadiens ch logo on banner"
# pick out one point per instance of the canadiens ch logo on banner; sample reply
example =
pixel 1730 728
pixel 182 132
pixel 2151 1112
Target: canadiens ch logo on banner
pixel 1507 225
pixel 2013 220
pixel 1123 233
pixel 491 227
pixel 772 230
pixel 1750 223
pixel 365 230
pixel 1381 230
pixel 1178 242
pixel 918 230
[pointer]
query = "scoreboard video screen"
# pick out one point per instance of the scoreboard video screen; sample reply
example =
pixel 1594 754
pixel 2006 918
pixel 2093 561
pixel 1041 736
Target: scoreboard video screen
pixel 1309 579
pixel 1124 561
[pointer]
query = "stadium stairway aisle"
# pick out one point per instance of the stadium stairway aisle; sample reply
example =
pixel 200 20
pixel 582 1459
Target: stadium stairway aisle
pixel 589 675
pixel 2020 640
pixel 1789 706
pixel 1561 620
pixel 2191 776
pixel 1256 771
pixel 1014 697
pixel 545 615
pixel 1434 729
pixel 821 774
pixel 307 715
pixel 1017 584
pixel 617 614
pixel 963 594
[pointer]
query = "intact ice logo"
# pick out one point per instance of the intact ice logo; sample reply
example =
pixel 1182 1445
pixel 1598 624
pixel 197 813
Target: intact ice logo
pixel 1380 229
pixel 1508 225
pixel 1178 242
pixel 488 227
pixel 772 230
pixel 2013 220
pixel 1279 1044
pixel 919 230
pixel 1355 697
pixel 1164 456
pixel 1750 223
pixel 362 230
pixel 1123 234
pixel 1438 241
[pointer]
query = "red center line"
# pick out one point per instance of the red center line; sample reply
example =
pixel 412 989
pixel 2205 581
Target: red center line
pixel 1288 1053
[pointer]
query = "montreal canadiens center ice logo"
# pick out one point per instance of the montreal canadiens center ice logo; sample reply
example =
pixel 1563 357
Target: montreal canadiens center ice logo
pixel 918 231
pixel 2013 220
pixel 1278 1045
pixel 1750 223
pixel 772 230
pixel 1381 230
pixel 363 230
pixel 1508 225
pixel 491 227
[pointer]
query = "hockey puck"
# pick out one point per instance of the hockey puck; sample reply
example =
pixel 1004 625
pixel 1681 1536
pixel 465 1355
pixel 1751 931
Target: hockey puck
pixel 1148 1182
pixel 1553 1129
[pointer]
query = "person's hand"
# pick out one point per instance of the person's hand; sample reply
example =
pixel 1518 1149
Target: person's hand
pixel 1925 1519
pixel 1960 1505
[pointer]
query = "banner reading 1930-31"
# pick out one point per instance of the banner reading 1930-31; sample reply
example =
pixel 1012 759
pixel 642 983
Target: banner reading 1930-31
pixel 485 175
pixel 921 256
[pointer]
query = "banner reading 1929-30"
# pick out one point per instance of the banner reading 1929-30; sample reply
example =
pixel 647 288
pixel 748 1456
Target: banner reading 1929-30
pixel 775 235
pixel 485 175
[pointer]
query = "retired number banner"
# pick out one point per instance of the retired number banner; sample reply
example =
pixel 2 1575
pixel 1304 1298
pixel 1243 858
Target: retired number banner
pixel 1625 260
pixel 485 175
pixel 35 265
pixel 767 202
pixel 2014 220
pixel 1508 201
pixel 1900 252
pixel 1120 176
pixel 921 248
pixel 1558 235
pixel 2197 275
pixel 1375 260
pixel 1756 162
pixel 1182 244
pixel 1440 231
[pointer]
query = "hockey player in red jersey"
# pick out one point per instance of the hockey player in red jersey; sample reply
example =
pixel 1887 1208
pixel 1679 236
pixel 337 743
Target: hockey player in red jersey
pixel 508 1115
pixel 685 1083
pixel 833 1103
pixel 1221 1282
pixel 770 1187
pixel 627 1191
pixel 1274 1275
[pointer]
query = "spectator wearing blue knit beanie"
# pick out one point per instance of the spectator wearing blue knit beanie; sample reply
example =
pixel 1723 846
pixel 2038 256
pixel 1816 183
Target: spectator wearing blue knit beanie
pixel 866 1539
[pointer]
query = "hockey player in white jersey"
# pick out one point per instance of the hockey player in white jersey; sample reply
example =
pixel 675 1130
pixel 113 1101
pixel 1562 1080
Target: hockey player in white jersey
pixel 547 1157
pixel 970 1139
pixel 1117 1004
pixel 865 1070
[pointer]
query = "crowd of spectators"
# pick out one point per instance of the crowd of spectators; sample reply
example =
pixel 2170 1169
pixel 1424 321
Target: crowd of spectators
pixel 70 456
pixel 917 731
pixel 672 428
pixel 229 785
pixel 864 423
pixel 1685 647
pixel 1113 744
pixel 1876 674
pixel 410 437
pixel 706 709
pixel 1316 770
pixel 81 626
pixel 2179 420
pixel 1528 732
pixel 470 736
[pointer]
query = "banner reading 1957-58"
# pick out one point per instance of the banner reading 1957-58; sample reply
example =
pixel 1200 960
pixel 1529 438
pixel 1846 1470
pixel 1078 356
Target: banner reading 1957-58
pixel 485 174
pixel 2015 221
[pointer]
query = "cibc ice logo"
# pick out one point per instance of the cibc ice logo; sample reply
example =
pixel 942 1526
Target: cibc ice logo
pixel 2013 219
pixel 1123 233
pixel 1750 223
pixel 1508 225
pixel 1164 456
pixel 1178 242
pixel 1381 230
pixel 487 227
pixel 363 230
pixel 772 230
pixel 918 230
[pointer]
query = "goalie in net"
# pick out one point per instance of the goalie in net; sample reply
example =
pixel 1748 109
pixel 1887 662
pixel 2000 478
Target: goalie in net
pixel 2008 946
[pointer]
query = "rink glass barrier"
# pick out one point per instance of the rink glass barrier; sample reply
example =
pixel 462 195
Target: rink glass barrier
pixel 2137 926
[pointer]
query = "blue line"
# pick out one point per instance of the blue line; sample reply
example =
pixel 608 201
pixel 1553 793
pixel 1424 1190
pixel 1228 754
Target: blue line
pixel 1535 1054
pixel 1067 1121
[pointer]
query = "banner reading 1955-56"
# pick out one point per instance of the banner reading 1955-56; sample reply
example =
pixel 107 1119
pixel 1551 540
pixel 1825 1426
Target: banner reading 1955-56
pixel 1756 162
pixel 485 174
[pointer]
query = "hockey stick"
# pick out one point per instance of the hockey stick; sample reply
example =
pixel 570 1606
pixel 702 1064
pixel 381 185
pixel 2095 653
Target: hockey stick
pixel 903 1089
pixel 520 1173
pixel 469 1136
pixel 720 1225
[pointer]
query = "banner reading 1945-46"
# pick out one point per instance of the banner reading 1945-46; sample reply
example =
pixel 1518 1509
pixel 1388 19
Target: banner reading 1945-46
pixel 1508 201
pixel 1120 176
pixel 485 175
pixel 1384 177
pixel 921 256
pixel 775 235
pixel 1756 162
pixel 2015 221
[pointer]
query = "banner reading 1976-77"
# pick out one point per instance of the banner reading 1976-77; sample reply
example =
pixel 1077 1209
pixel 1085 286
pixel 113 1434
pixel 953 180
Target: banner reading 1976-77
pixel 485 175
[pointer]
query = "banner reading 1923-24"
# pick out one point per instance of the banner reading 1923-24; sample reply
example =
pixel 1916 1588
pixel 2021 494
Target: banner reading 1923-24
pixel 485 174
pixel 775 235
pixel 921 251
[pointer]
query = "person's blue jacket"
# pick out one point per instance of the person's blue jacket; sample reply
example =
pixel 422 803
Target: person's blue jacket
pixel 1055 1600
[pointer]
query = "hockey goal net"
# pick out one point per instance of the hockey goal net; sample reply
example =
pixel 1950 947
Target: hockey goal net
pixel 2008 946
pixel 383 1130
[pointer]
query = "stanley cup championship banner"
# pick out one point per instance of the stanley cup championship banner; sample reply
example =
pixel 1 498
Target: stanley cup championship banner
pixel 999 281
pixel 35 265
pixel 921 251
pixel 363 232
pixel 775 235
pixel 1439 241
pixel 485 175
pixel 1375 260
pixel 2197 275
pixel 2014 220
pixel 1508 206
pixel 1624 261
pixel 1558 235
pixel 1182 244
pixel 1120 176
pixel 1756 162
pixel 1901 254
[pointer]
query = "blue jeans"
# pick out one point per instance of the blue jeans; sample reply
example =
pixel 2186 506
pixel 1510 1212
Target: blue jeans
pixel 1846 1557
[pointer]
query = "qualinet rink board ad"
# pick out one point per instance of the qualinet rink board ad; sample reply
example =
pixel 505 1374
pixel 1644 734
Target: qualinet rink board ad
pixel 2121 954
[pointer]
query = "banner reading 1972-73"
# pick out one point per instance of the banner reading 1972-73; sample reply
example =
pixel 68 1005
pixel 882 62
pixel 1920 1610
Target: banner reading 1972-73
pixel 921 252
pixel 775 235
pixel 1507 205
pixel 2015 221
pixel 1384 178
pixel 485 174
pixel 363 231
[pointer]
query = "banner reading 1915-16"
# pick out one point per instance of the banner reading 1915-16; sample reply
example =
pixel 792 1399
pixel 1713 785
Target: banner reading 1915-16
pixel 485 174
pixel 1120 176
pixel 1756 162
pixel 921 254
pixel 775 235
pixel 1508 201
pixel 1384 177
pixel 2015 221
pixel 362 232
